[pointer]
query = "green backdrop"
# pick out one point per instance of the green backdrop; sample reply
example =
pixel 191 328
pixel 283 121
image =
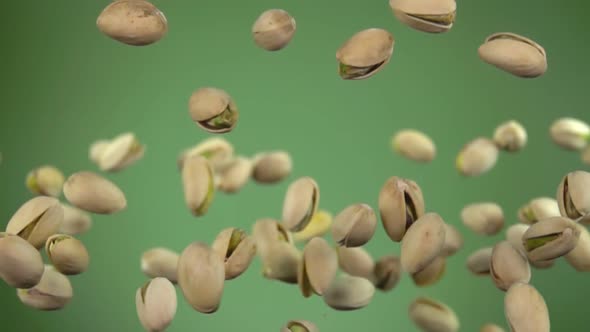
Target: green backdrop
pixel 65 85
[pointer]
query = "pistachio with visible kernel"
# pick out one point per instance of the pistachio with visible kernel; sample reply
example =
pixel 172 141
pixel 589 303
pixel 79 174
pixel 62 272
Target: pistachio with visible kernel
pixel 550 238
pixel 45 180
pixel 67 254
pixel 573 196
pixel 36 220
pixel 364 54
pixel 237 249
pixel 354 226
pixel 400 205
pixel 214 110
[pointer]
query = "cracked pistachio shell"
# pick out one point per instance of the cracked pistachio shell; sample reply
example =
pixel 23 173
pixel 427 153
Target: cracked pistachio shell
pixel 36 220
pixel 320 224
pixel 235 175
pixel 96 149
pixel 356 262
pixel 273 29
pixel 514 235
pixel 272 167
pixel 236 248
pixel 120 153
pixel 199 188
pixel 300 203
pixel 570 133
pixel 387 273
pixel 75 221
pixel 579 257
pixel 214 110
pixel 45 180
pixel 538 209
pixel 267 232
pixel 354 226
pixel 453 241
pixel 433 16
pixel 491 328
pixel 201 277
pixel 525 309
pixel 53 292
pixel 514 54
pixel 349 293
pixel 477 157
pixel 21 265
pixel 432 273
pixel 479 261
pixel 156 304
pixel 485 218
pixel 550 238
pixel 433 316
pixel 508 266
pixel 400 204
pixel 160 263
pixel 92 193
pixel 282 262
pixel 300 326
pixel 318 267
pixel 217 150
pixel 422 243
pixel 510 136
pixel 364 54
pixel 573 196
pixel 133 22
pixel 414 145
pixel 67 254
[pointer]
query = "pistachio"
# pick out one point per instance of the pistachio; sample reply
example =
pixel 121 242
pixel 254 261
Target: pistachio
pixel 133 22
pixel 453 241
pixel 510 136
pixel 432 273
pixel 433 316
pixel 508 266
pixel 537 209
pixel 268 231
pixel 90 192
pixel 364 54
pixel 273 29
pixel 160 262
pixel 96 149
pixel 479 261
pixel 272 167
pixel 525 309
pixel 400 205
pixel 123 151
pixel 485 218
pixel 514 54
pixel 282 262
pixel 237 249
pixel 514 235
pixel 550 238
pixel 67 254
pixel 300 203
pixel 53 292
pixel 156 304
pixel 235 175
pixel 356 262
pixel 36 220
pixel 570 133
pixel 387 273
pixel 201 276
pixel 199 189
pixel 21 265
pixel 213 109
pixel 75 221
pixel 299 326
pixel 579 257
pixel 422 243
pixel 573 196
pixel 354 226
pixel 320 224
pixel 45 180
pixel 414 145
pixel 477 157
pixel 425 15
pixel 215 149
pixel 349 293
pixel 318 267
pixel 491 328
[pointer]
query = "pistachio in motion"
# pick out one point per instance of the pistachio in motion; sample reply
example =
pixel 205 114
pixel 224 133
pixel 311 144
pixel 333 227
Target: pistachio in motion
pixel 90 192
pixel 272 167
pixel 320 224
pixel 199 188
pixel 573 196
pixel 21 265
pixel 237 249
pixel 514 235
pixel 550 238
pixel 349 293
pixel 387 273
pixel 425 15
pixel 217 150
pixel 431 315
pixel 300 203
pixel 45 180
pixel 400 205
pixel 36 220
pixel 364 54
pixel 96 149
pixel 453 240
pixel 479 261
pixel 300 326
pixel 53 292
pixel 267 232
pixel 120 153
pixel 414 145
pixel 508 266
pixel 510 136
pixel 422 243
pixel 485 218
pixel 282 262
pixel 356 262
pixel 273 29
pixel 432 273
pixel 477 157
pixel 75 221
pixel 235 175
pixel 579 257
pixel 318 267
pixel 525 309
pixel 156 304
pixel 354 226
pixel 67 254
pixel 514 54
pixel 538 209
pixel 570 133
pixel 214 110
pixel 160 262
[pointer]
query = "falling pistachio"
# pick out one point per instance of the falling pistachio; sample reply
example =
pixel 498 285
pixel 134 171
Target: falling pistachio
pixel 75 221
pixel 400 205
pixel 320 224
pixel 96 149
pixel 67 254
pixel 349 293
pixel 120 153
pixel 93 193
pixel 431 274
pixel 573 196
pixel 479 261
pixel 508 266
pixel 477 157
pixel 273 29
pixel 214 110
pixel 36 220
pixel 237 249
pixel 199 189
pixel 433 316
pixel 156 304
pixel 160 263
pixel 364 54
pixel 356 262
pixel 525 309
pixel 425 15
pixel 514 235
pixel 570 133
pixel 268 231
pixel 300 203
pixel 453 241
pixel 235 175
pixel 510 136
pixel 281 262
pixel 414 145
pixel 272 167
pixel 514 54
pixel 485 218
pixel 538 209
pixel 354 226
pixel 387 273
pixel 45 180
pixel 217 150
pixel 579 257
pixel 299 326
pixel 422 243
pixel 317 268
pixel 550 238
pixel 53 292
pixel 21 265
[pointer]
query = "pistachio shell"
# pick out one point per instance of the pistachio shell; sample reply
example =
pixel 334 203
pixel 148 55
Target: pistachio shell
pixel 422 243
pixel 510 136
pixel 96 149
pixel 514 54
pixel 432 273
pixel 320 224
pixel 514 235
pixel 36 220
pixel 356 262
pixel 282 262
pixel 425 15
pixel 477 157
pixel 93 193
pixel 21 265
pixel 237 250
pixel 197 180
pixel 349 293
pixel 120 153
pixel 272 167
pixel 479 261
pixel 215 149
pixel 579 257
pixel 491 328
pixel 235 176
pixel 484 218
pixel 365 53
pixel 67 254
pixel 273 29
pixel 453 240
pixel 46 180
pixel 573 196
pixel 160 263
pixel 537 209
pixel 550 238
pixel 570 133
pixel 300 326
pixel 75 221
pixel 213 109
pixel 400 205
pixel 318 267
pixel 354 226
pixel 525 309
pixel 387 273
pixel 508 266
pixel 300 203
pixel 156 304
pixel 53 292
pixel 433 316
pixel 414 145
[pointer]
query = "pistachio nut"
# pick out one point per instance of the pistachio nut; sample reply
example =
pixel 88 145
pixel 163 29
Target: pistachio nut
pixel 477 157
pixel 273 29
pixel 21 265
pixel 400 205
pixel 133 22
pixel 300 203
pixel 300 326
pixel 160 262
pixel 45 180
pixel 75 221
pixel 272 167
pixel 585 155
pixel 235 175
pixel 573 196
pixel 550 238
pixel 491 328
pixel 525 309
pixel 579 257
pixel 508 266
pixel 96 149
pixel 422 243
pixel 236 248
pixel 356 262
pixel 387 273
pixel 537 209
pixel 432 273
pixel 349 293
pixel 92 193
pixel 123 151
pixel 570 133
pixel 281 262
pixel 479 261
pixel 201 277
pixel 510 136
pixel 36 220
pixel 453 241
pixel 217 150
pixel 364 54
pixel 514 54
pixel 484 218
pixel 414 145
pixel 354 226
pixel 425 15
pixel 318 267
pixel 53 292
pixel 268 231
pixel 514 235
pixel 214 110
pixel 320 224
pixel 199 187
pixel 67 254
pixel 156 304
pixel 433 316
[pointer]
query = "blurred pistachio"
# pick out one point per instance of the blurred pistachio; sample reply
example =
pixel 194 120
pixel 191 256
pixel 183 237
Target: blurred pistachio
pixel 272 167
pixel 425 15
pixel 214 110
pixel 422 243
pixel 236 175
pixel 53 292
pixel 400 205
pixel 36 220
pixel 537 209
pixel 479 261
pixel 508 266
pixel 491 328
pixel 75 221
pixel 356 262
pixel 268 231
pixel 300 203
pixel 525 309
pixel 217 150
pixel 485 218
pixel 160 263
pixel 281 262
pixel 236 248
pixel 199 189
pixel 573 196
pixel 96 149
pixel 21 265
pixel 156 304
pixel 273 29
pixel 120 153
pixel 570 133
pixel 349 293
pixel 364 54
pixel 453 241
pixel 432 316
pixel 414 145
pixel 432 273
pixel 67 254
pixel 93 193
pixel 514 235
pixel 320 224
pixel 514 54
pixel 300 326
pixel 510 136
pixel 354 226
pixel 318 267
pixel 45 180
pixel 550 238
pixel 585 155
pixel 387 273
pixel 579 257
pixel 477 157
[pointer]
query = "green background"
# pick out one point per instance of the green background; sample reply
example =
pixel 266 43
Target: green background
pixel 65 85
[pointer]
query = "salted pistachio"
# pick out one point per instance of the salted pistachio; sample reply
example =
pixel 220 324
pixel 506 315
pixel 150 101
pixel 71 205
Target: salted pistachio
pixel 508 266
pixel 422 243
pixel 133 22
pixel 160 262
pixel 400 204
pixel 477 157
pixel 484 218
pixel 550 238
pixel 214 110
pixel 217 150
pixel 320 224
pixel 201 277
pixel 272 167
pixel 281 262
pixel 120 153
pixel 235 175
pixel 387 273
pixel 579 257
pixel 537 209
pixel 570 133
pixel 514 54
pixel 273 29
pixel 317 268
pixel 300 326
pixel 96 149
pixel 21 265
pixel 573 196
pixel 199 188
pixel 414 145
pixel 300 203
pixel 433 316
pixel 156 304
pixel 36 220
pixel 268 231
pixel 364 54
pixel 514 235
pixel 433 16
pixel 356 262
pixel 53 292
pixel 510 136
pixel 349 293
pixel 431 274
pixel 525 309
pixel 45 180
pixel 67 254
pixel 75 221
pixel 236 248
pixel 479 261
pixel 585 155
pixel 354 226
pixel 491 328
pixel 92 193
pixel 453 241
